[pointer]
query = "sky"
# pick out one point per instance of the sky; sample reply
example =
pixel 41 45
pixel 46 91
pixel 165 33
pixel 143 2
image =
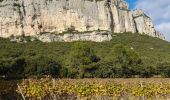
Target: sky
pixel 158 10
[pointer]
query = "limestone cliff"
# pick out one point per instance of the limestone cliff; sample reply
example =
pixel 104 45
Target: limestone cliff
pixel 32 17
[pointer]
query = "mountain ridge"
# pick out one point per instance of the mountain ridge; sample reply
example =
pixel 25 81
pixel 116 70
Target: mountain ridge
pixel 33 17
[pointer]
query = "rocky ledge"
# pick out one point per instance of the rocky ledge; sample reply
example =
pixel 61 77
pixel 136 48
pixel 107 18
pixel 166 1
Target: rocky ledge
pixel 88 36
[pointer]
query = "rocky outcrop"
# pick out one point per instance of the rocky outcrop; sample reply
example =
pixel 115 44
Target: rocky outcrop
pixel 89 36
pixel 144 24
pixel 32 17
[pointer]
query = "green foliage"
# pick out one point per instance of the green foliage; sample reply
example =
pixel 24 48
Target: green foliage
pixel 126 60
pixel 126 55
pixel 42 66
pixel 80 58
pixel 81 54
pixel 163 69
pixel 12 67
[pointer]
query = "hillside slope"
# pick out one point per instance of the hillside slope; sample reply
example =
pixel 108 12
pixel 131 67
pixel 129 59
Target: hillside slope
pixel 137 54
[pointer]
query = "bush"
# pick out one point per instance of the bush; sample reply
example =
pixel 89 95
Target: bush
pixel 80 58
pixel 42 66
pixel 12 67
pixel 124 60
pixel 81 54
pixel 163 69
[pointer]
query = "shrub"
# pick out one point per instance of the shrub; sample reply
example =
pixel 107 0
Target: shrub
pixel 42 66
pixel 81 54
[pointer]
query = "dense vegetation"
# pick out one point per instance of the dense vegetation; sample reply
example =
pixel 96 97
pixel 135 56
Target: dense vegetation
pixel 126 55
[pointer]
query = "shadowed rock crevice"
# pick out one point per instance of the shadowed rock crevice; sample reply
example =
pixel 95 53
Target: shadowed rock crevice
pixel 108 3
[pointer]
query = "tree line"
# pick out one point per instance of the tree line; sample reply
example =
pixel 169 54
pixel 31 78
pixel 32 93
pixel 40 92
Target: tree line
pixel 81 61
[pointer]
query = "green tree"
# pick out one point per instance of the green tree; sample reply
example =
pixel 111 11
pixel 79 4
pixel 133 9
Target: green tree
pixel 80 58
pixel 125 60
pixel 163 69
pixel 81 54
pixel 42 65
pixel 12 68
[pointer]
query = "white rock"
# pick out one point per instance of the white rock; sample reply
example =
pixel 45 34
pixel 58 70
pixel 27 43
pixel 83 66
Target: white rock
pixel 31 17
pixel 94 36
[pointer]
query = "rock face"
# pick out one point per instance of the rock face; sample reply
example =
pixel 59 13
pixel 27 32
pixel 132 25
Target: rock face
pixel 32 17
pixel 91 36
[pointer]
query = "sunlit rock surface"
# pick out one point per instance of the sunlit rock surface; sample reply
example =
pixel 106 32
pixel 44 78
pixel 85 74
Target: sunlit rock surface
pixel 32 17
